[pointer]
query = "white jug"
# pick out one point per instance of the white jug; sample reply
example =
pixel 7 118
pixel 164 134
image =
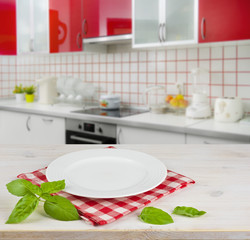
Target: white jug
pixel 47 89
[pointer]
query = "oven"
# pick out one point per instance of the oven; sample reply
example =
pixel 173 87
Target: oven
pixel 89 132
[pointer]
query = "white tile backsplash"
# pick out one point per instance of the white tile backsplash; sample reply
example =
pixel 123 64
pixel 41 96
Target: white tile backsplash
pixel 216 52
pixel 129 73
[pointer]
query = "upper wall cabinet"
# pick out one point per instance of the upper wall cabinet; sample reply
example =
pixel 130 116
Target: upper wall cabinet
pixel 103 18
pixel 32 26
pixel 164 22
pixel 8 27
pixel 224 20
pixel 65 25
pixel 40 26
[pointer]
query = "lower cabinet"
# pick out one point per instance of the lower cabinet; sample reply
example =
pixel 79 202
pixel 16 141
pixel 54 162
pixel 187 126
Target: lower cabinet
pixel 23 128
pixel 132 135
pixel 195 139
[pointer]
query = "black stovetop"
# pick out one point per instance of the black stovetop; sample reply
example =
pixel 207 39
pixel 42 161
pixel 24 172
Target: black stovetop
pixel 122 112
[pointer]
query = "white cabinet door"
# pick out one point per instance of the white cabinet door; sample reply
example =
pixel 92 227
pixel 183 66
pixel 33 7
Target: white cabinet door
pixel 131 135
pixel 164 22
pixel 32 26
pixel 22 128
pixel 14 128
pixel 180 23
pixel 194 139
pixel 146 22
pixel 47 130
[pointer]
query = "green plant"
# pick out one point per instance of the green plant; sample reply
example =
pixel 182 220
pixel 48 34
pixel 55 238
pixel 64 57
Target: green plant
pixel 18 89
pixel 55 206
pixel 30 90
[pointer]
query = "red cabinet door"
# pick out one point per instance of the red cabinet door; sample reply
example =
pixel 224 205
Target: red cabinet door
pixel 8 27
pixel 65 25
pixel 224 20
pixel 106 18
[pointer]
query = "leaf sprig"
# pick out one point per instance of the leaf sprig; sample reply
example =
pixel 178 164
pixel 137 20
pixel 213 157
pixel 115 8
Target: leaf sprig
pixel 55 206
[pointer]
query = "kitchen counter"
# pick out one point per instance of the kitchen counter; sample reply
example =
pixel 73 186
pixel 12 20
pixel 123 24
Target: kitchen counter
pixel 167 122
pixel 221 189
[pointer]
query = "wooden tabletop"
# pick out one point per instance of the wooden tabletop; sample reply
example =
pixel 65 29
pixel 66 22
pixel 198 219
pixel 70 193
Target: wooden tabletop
pixel 222 189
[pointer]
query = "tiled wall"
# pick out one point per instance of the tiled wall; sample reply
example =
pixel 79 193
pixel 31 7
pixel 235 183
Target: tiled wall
pixel 129 73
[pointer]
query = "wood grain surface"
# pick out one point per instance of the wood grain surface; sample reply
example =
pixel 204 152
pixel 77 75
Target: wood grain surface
pixel 221 172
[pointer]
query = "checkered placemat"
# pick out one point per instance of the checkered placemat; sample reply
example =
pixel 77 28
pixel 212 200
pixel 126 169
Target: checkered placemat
pixel 103 211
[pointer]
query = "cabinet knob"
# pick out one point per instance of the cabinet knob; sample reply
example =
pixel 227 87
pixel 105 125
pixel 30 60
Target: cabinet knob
pixel 80 126
pixel 100 130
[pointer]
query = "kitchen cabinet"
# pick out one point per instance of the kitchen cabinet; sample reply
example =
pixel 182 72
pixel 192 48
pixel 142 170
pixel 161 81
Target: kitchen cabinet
pixel 32 22
pixel 195 139
pixel 8 27
pixel 106 18
pixel 49 26
pixel 23 128
pixel 65 25
pixel 164 22
pixel 132 135
pixel 224 20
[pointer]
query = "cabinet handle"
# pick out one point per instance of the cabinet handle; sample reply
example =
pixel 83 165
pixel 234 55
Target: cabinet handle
pixel 164 32
pixel 28 123
pixel 78 40
pixel 160 32
pixel 48 120
pixel 118 136
pixel 31 45
pixel 206 142
pixel 84 29
pixel 203 21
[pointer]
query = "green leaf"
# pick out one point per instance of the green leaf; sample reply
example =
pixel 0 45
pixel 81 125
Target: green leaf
pixel 188 211
pixel 53 187
pixel 21 187
pixel 23 208
pixel 155 216
pixel 61 208
pixel 47 196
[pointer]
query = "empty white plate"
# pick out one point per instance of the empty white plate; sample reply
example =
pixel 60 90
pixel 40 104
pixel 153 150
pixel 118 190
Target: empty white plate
pixel 107 173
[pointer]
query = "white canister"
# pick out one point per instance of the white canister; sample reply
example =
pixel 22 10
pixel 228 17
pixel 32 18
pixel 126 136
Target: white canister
pixel 110 102
pixel 228 109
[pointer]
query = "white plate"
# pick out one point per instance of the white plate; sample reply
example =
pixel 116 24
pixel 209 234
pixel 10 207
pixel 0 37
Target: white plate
pixel 107 173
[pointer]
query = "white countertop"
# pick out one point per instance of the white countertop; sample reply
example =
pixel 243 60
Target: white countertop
pixel 168 121
pixel 221 189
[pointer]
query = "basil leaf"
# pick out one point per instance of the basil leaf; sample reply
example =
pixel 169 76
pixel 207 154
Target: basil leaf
pixel 47 196
pixel 188 211
pixel 155 216
pixel 53 187
pixel 21 187
pixel 61 209
pixel 23 208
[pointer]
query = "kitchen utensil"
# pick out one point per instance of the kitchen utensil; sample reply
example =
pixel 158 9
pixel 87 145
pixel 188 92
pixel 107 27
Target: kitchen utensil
pixel 228 109
pixel 107 173
pixel 199 107
pixel 110 102
pixel 154 98
pixel 47 89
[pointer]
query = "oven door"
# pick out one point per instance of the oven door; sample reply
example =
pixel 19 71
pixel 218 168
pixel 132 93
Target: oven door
pixel 84 138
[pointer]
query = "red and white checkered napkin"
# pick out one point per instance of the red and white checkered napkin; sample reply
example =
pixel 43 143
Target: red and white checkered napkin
pixel 103 211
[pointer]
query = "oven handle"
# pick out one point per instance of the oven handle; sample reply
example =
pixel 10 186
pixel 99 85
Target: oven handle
pixel 73 137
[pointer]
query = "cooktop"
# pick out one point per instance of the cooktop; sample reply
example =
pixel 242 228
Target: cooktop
pixel 118 113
